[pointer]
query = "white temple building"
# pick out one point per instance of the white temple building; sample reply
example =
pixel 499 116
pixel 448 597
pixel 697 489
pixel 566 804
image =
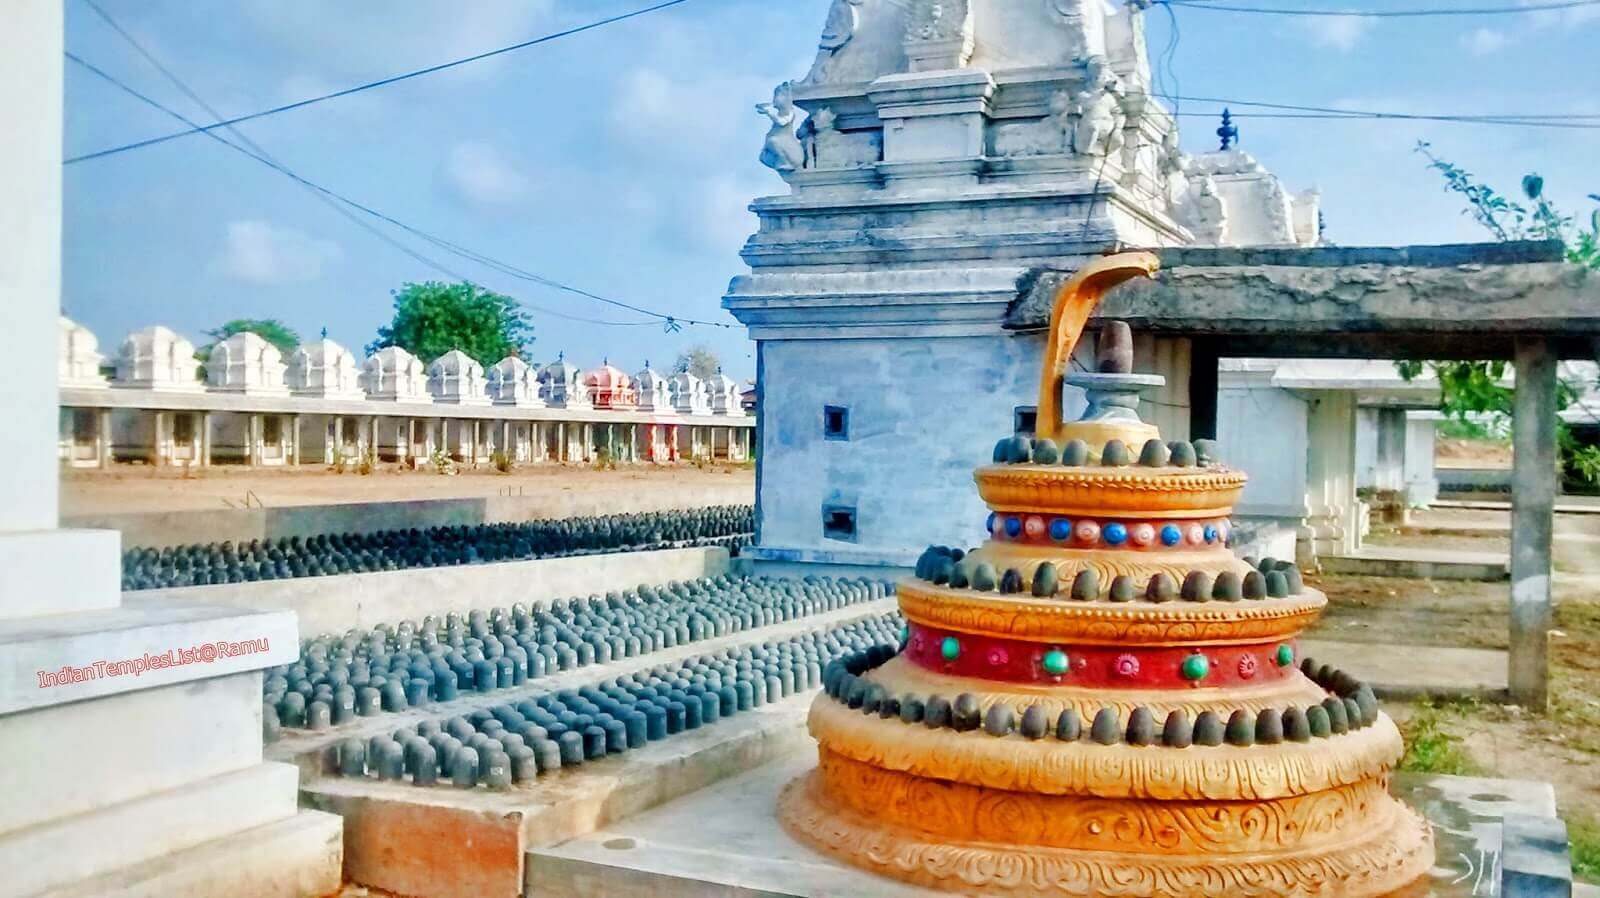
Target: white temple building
pixel 246 363
pixel 514 382
pixel 157 358
pixel 324 369
pixel 322 408
pixel 393 375
pixel 458 379
pixel 561 385
pixel 79 359
pixel 689 394
pixel 654 391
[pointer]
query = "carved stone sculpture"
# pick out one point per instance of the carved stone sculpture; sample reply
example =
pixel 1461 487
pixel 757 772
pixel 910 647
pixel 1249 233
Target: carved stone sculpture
pixel 939 35
pixel 1102 699
pixel 1203 213
pixel 827 147
pixel 837 30
pixel 1100 117
pixel 782 151
pixel 1047 136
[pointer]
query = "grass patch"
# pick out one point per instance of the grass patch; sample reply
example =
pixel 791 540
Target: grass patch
pixel 1584 832
pixel 1430 746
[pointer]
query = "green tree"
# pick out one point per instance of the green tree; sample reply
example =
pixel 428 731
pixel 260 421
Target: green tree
pixel 1471 391
pixel 698 360
pixel 270 329
pixel 432 318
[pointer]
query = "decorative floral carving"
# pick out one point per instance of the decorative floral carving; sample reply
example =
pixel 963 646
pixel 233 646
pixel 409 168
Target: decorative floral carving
pixel 1392 854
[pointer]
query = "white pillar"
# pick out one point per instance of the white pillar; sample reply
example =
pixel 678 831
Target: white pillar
pixel 1333 522
pixel 294 436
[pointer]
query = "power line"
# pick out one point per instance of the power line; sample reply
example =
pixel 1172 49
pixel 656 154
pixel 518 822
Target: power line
pixel 672 321
pixel 1385 13
pixel 382 82
pixel 1537 120
pixel 327 200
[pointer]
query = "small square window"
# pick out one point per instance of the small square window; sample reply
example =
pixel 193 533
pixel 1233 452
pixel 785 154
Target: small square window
pixel 839 522
pixel 835 422
pixel 1025 419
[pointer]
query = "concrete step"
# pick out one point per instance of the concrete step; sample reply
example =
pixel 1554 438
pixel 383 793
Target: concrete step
pixel 298 857
pixel 443 842
pixel 65 851
pixel 1416 671
pixel 1576 553
pixel 309 748
pixel 59 658
pixel 124 747
pixel 1420 564
pixel 726 841
pixel 334 604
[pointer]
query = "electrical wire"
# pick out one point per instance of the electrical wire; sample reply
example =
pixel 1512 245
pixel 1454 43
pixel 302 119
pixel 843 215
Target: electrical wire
pixel 672 321
pixel 1385 13
pixel 381 82
pixel 1550 120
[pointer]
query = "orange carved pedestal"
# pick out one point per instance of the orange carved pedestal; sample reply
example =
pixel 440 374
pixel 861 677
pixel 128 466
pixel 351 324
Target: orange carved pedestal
pixel 1102 699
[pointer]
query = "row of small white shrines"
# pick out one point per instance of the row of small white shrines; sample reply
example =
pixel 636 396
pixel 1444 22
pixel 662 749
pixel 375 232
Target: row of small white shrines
pixel 158 359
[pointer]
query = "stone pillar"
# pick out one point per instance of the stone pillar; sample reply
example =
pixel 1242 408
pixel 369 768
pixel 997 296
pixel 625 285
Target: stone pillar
pixel 257 436
pixel 1533 498
pixel 1333 525
pixel 334 450
pixel 104 752
pixel 1389 479
pixel 294 437
pixel 102 438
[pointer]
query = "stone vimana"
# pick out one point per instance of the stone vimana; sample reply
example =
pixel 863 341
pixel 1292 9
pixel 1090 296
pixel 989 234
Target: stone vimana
pixel 388 550
pixel 1102 699
pixel 514 743
pixel 392 668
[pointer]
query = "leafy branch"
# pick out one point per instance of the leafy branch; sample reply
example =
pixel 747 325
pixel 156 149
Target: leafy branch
pixel 1472 391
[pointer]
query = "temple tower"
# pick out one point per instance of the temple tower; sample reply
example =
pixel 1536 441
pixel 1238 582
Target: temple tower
pixel 937 153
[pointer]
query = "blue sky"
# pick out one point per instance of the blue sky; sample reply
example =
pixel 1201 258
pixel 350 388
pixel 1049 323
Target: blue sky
pixel 621 160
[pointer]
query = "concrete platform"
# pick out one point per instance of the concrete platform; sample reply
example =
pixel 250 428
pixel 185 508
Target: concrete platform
pixel 58 658
pixel 725 841
pixel 298 857
pixel 339 602
pixel 1417 671
pixel 1421 564
pixel 443 842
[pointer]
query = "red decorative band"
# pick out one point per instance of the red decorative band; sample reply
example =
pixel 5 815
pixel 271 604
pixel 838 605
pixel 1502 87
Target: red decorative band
pixel 1093 533
pixel 1018 661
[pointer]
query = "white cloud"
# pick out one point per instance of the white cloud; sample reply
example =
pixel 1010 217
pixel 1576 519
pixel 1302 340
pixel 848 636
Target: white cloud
pixel 261 253
pixel 1484 41
pixel 722 219
pixel 481 175
pixel 1341 33
pixel 681 119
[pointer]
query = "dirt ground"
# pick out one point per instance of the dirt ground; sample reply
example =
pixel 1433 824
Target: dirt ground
pixel 135 489
pixel 1560 746
pixel 1450 452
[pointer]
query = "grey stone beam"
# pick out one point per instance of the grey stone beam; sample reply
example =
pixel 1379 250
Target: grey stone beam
pixel 1347 301
pixel 1533 497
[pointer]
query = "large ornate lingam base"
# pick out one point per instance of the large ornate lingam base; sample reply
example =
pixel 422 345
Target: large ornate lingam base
pixel 1102 699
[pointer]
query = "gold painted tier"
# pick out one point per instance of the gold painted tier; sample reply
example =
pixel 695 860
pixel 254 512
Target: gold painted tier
pixel 1059 620
pixel 1125 492
pixel 1349 843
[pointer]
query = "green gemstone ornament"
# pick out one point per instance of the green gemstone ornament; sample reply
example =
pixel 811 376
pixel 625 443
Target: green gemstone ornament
pixel 950 648
pixel 1195 667
pixel 1285 656
pixel 1055 662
